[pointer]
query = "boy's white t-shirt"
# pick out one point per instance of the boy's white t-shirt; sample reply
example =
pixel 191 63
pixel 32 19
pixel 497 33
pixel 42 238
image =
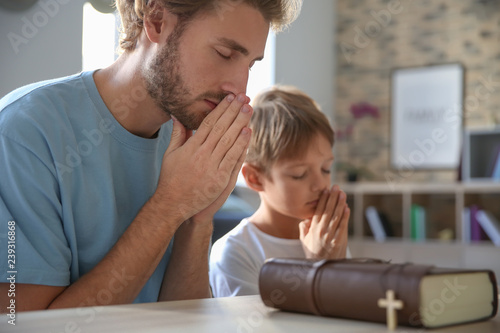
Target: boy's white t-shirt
pixel 237 257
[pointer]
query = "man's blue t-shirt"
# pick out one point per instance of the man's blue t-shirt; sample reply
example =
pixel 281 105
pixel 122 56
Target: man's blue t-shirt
pixel 72 179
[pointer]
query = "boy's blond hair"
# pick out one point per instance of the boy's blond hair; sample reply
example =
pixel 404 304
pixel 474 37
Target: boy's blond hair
pixel 279 13
pixel 284 122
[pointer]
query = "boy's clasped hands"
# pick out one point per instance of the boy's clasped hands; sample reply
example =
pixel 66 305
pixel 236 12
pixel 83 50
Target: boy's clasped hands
pixel 325 234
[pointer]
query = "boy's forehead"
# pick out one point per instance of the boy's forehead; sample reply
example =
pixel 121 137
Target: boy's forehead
pixel 317 147
pixel 300 160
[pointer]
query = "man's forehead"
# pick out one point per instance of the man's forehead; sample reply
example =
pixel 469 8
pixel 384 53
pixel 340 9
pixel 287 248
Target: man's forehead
pixel 238 26
pixel 223 7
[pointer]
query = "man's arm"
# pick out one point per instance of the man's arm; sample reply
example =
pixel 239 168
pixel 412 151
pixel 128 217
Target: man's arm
pixel 187 274
pixel 205 160
pixel 117 279
pixel 37 295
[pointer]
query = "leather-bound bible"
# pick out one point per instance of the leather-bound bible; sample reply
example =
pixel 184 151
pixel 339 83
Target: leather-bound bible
pixel 378 291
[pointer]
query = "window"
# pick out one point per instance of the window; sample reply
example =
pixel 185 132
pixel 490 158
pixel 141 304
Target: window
pixel 99 38
pixel 262 75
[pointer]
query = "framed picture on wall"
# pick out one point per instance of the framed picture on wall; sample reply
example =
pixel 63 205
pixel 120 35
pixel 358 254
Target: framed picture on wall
pixel 427 117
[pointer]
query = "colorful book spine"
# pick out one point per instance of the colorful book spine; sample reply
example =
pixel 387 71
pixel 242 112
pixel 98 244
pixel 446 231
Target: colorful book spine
pixel 495 175
pixel 375 223
pixel 466 236
pixel 490 225
pixel 413 222
pixel 417 220
pixel 477 233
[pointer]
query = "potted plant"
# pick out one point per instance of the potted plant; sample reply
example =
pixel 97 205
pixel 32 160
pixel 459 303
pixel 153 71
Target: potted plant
pixel 352 170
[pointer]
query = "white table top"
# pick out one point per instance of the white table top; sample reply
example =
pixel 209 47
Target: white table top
pixel 244 314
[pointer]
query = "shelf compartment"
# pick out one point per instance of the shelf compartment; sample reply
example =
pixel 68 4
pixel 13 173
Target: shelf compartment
pixel 440 214
pixel 389 205
pixel 486 201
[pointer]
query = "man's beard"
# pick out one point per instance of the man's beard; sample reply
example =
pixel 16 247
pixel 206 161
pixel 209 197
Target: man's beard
pixel 166 86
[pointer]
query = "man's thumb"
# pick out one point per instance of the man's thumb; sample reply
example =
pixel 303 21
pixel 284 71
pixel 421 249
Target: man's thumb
pixel 178 137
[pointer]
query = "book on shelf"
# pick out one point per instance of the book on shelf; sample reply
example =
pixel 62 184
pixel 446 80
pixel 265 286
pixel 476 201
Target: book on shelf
pixel 466 237
pixel 495 173
pixel 490 225
pixel 417 223
pixel 389 230
pixel 378 291
pixel 460 169
pixel 477 233
pixel 379 224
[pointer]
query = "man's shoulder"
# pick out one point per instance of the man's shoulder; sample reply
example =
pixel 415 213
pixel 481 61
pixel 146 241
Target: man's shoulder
pixel 41 89
pixel 53 93
pixel 42 103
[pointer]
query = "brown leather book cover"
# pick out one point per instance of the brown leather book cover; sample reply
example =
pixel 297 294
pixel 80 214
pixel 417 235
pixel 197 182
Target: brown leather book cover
pixel 353 289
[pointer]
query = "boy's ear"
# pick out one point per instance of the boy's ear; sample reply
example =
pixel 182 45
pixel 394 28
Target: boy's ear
pixel 158 23
pixel 253 177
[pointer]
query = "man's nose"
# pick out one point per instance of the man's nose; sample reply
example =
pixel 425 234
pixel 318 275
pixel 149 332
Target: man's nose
pixel 236 81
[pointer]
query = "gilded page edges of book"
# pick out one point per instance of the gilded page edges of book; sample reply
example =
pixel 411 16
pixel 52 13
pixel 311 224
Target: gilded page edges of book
pixel 450 297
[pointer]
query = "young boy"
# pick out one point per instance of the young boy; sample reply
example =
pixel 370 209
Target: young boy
pixel 288 163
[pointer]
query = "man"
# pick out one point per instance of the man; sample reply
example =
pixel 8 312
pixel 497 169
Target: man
pixel 90 196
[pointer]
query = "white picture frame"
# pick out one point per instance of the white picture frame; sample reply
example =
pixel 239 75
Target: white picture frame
pixel 427 117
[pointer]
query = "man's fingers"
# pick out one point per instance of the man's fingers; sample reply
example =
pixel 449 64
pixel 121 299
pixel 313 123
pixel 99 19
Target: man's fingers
pixel 237 167
pixel 231 183
pixel 232 157
pixel 210 120
pixel 234 131
pixel 178 136
pixel 217 122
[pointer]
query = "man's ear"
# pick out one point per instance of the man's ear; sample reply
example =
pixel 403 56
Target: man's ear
pixel 158 22
pixel 253 177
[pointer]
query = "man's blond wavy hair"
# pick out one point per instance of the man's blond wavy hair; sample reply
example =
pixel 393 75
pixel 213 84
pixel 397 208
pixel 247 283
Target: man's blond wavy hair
pixel 279 13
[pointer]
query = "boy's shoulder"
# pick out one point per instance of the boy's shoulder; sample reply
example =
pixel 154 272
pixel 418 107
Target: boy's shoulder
pixel 239 232
pixel 245 236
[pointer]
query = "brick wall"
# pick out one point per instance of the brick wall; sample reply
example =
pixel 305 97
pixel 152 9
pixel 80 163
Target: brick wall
pixel 375 36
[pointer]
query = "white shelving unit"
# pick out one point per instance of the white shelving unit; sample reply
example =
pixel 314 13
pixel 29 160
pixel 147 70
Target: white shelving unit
pixel 444 204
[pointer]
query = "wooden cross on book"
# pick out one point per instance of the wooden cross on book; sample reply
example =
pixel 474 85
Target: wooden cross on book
pixel 392 304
